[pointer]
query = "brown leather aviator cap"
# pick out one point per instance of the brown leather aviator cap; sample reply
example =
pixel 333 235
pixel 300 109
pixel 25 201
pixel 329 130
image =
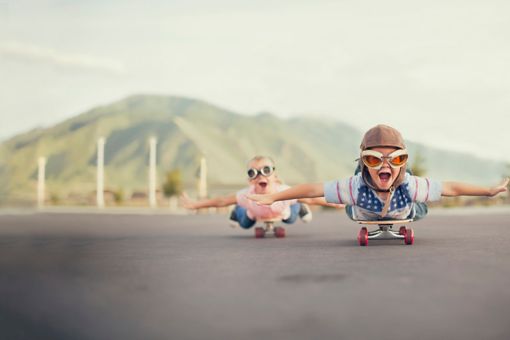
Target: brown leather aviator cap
pixel 382 135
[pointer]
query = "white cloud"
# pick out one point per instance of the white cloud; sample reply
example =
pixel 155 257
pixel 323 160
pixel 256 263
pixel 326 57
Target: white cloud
pixel 32 53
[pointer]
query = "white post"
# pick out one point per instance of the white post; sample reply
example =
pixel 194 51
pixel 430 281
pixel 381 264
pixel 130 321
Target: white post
pixel 152 173
pixel 100 172
pixel 41 177
pixel 202 184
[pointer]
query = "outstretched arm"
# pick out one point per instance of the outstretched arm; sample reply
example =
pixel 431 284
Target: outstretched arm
pixel 296 192
pixel 464 189
pixel 217 202
pixel 320 201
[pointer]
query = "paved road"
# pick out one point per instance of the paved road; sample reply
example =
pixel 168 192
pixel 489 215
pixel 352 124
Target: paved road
pixel 78 276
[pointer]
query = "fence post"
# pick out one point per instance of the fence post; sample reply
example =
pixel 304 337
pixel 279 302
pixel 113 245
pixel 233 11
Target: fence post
pixel 202 183
pixel 152 172
pixel 100 172
pixel 41 178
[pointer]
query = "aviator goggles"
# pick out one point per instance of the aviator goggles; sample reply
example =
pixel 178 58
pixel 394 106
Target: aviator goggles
pixel 265 171
pixel 374 159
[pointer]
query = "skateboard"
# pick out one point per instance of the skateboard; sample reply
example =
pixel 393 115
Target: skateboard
pixel 385 232
pixel 269 227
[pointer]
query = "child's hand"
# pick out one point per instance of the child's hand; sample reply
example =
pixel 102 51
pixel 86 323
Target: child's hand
pixel 499 188
pixel 261 199
pixel 335 205
pixel 187 202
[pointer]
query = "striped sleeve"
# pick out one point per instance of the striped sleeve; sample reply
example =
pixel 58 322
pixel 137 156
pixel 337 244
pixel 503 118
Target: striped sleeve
pixel 342 191
pixel 423 189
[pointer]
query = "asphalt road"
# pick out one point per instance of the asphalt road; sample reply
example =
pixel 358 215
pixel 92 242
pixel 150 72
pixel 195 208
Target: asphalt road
pixel 100 276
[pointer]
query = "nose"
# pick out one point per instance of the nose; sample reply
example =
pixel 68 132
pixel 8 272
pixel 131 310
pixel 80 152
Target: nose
pixel 386 162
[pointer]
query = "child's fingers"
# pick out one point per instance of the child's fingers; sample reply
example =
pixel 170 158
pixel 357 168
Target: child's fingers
pixel 504 185
pixel 338 206
pixel 186 202
pixel 255 198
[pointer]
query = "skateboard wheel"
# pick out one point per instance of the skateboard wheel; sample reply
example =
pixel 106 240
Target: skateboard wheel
pixel 402 231
pixel 409 237
pixel 279 232
pixel 260 232
pixel 363 237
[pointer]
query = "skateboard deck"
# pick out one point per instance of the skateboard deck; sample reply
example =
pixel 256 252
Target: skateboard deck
pixel 385 222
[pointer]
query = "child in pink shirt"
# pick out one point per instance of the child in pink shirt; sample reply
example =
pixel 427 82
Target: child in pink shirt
pixel 262 179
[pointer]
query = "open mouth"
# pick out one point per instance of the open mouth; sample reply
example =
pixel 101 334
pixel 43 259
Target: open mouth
pixel 384 177
pixel 262 185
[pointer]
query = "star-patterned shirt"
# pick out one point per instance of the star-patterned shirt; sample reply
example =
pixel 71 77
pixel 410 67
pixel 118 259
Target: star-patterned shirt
pixel 368 206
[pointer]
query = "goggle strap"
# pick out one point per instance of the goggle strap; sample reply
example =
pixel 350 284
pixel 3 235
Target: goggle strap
pixel 377 154
pixel 387 202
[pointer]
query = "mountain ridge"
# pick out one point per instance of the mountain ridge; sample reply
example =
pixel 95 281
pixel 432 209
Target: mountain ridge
pixel 305 149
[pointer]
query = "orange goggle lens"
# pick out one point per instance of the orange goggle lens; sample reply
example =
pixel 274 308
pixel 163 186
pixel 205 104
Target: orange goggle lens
pixel 399 160
pixel 372 161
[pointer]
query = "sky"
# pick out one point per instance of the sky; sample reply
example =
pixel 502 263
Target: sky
pixel 438 71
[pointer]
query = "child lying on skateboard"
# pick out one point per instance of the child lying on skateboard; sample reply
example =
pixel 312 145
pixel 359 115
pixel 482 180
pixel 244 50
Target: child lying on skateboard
pixel 262 179
pixel 382 189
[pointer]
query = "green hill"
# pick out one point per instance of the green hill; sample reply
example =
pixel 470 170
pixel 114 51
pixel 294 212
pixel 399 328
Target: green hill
pixel 305 149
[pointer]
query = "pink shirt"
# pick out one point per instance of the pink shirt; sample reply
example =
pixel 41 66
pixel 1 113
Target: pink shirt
pixel 277 210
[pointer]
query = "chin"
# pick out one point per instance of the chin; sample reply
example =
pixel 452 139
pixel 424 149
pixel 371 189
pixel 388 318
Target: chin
pixel 384 186
pixel 262 190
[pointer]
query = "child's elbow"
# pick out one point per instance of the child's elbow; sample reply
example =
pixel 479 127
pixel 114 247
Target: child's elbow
pixel 449 193
pixel 449 190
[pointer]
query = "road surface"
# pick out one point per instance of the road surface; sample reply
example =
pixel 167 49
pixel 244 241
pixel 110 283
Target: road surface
pixel 121 276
